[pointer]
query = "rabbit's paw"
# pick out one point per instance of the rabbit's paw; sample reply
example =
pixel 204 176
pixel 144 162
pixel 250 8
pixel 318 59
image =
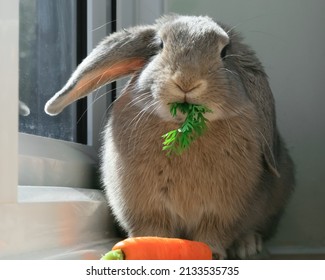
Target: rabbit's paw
pixel 218 252
pixel 248 246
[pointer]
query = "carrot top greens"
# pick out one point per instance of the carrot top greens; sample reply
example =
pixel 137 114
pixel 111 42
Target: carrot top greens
pixel 178 140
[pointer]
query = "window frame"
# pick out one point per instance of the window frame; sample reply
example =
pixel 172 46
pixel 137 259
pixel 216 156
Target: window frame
pixel 9 96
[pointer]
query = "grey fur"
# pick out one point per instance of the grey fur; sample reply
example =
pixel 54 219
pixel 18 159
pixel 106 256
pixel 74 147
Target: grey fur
pixel 230 188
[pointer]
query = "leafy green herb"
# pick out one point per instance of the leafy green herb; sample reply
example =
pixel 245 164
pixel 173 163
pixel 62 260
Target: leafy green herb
pixel 178 140
pixel 113 255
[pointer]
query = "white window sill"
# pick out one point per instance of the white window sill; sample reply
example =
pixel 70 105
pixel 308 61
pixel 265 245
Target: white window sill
pixel 32 194
pixel 49 162
pixel 56 223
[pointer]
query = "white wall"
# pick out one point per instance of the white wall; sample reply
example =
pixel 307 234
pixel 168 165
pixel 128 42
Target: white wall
pixel 289 38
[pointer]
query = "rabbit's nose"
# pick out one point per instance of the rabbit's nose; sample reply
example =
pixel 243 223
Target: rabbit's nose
pixel 187 87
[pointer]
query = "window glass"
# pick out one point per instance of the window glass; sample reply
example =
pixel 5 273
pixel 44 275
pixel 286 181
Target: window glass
pixel 47 57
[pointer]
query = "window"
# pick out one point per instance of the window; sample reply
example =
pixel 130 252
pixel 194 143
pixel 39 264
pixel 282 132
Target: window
pixel 47 57
pixel 54 36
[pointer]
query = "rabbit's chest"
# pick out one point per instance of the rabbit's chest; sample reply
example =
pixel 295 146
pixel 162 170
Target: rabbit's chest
pixel 217 174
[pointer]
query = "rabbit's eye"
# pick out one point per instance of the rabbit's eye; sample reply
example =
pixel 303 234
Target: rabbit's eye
pixel 161 44
pixel 224 51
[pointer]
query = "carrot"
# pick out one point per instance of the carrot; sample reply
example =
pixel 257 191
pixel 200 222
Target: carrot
pixel 158 248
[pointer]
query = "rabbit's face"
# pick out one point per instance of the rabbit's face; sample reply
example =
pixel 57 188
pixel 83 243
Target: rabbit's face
pixel 189 67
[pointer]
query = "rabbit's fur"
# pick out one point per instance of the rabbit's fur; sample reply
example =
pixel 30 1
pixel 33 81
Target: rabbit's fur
pixel 231 186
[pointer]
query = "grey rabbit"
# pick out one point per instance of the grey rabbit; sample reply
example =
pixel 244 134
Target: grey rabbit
pixel 230 187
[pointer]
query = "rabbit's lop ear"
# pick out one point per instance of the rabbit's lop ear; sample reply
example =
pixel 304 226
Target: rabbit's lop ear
pixel 261 95
pixel 119 55
pixel 255 82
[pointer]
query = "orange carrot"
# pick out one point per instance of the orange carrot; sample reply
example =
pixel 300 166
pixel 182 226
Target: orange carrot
pixel 158 248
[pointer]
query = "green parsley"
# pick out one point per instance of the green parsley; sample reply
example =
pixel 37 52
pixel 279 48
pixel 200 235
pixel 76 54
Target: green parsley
pixel 178 140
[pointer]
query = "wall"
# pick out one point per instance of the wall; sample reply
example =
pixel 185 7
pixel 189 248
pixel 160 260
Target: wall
pixel 289 38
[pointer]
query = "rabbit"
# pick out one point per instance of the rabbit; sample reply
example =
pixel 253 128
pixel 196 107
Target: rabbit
pixel 230 188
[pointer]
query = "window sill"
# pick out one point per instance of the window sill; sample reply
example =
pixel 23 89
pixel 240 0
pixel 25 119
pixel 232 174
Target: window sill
pixel 49 162
pixel 33 194
pixel 56 223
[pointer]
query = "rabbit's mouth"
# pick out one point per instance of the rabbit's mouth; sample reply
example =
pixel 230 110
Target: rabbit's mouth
pixel 185 103
pixel 178 111
pixel 186 99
